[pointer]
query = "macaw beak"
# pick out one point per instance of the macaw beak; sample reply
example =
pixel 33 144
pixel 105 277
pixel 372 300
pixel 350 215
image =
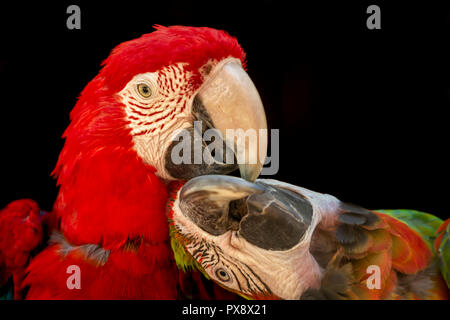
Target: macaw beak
pixel 267 217
pixel 229 103
pixel 257 226
pixel 233 104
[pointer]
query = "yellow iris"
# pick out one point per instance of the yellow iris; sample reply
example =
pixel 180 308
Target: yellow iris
pixel 144 90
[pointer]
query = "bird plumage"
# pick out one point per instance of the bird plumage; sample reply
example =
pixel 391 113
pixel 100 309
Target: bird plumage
pixel 109 196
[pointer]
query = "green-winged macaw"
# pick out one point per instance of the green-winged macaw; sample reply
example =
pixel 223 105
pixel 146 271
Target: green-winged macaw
pixel 108 225
pixel 273 240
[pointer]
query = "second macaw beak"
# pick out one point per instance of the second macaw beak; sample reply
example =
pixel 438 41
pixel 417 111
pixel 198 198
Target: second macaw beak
pixel 267 217
pixel 229 103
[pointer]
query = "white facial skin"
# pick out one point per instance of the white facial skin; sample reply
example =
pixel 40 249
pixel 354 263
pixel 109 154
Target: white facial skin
pixel 159 104
pixel 255 272
pixel 156 105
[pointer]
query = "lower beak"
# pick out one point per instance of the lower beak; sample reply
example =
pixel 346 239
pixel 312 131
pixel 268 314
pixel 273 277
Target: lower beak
pixel 235 109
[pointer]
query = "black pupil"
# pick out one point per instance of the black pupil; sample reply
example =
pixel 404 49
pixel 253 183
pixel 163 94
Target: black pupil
pixel 222 275
pixel 145 89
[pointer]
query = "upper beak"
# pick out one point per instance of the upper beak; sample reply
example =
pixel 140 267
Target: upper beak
pixel 235 109
pixel 268 217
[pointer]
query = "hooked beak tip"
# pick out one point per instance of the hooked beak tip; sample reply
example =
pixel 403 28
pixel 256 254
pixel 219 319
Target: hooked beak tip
pixel 235 109
pixel 250 172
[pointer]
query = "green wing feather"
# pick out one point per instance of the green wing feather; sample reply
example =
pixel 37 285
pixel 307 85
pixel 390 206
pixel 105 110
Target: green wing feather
pixel 183 259
pixel 427 226
pixel 424 223
pixel 444 254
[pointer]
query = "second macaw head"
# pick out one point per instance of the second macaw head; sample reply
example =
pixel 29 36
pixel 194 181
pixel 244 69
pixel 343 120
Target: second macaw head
pixel 254 239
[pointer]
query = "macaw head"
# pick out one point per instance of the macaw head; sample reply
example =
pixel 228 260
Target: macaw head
pixel 153 87
pixel 130 119
pixel 251 238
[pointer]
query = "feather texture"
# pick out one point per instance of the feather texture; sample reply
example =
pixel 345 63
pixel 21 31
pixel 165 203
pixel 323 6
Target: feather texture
pixel 21 230
pixel 398 243
pixel 108 194
pixel 442 246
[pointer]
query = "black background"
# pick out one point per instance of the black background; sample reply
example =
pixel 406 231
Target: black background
pixel 360 112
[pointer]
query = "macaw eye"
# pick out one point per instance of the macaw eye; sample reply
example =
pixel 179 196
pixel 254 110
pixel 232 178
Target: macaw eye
pixel 144 90
pixel 222 275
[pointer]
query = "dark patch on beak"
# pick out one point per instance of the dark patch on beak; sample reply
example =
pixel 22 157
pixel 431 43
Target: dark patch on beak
pixel 200 114
pixel 277 219
pixel 268 217
pixel 229 103
pixel 187 171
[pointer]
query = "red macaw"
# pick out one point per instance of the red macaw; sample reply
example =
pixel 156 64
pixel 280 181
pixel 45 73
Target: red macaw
pixel 109 218
pixel 274 240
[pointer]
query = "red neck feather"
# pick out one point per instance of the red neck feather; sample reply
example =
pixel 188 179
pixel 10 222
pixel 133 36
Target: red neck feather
pixel 107 194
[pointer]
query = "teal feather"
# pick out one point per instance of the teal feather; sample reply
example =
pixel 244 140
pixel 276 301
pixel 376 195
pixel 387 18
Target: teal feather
pixel 7 293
